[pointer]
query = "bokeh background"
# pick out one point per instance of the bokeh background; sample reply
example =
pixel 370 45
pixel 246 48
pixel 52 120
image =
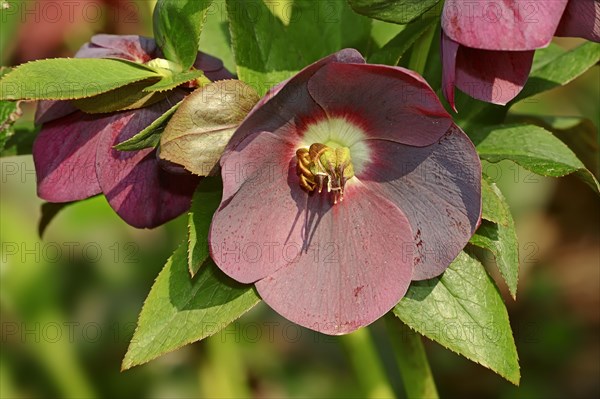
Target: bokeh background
pixel 69 302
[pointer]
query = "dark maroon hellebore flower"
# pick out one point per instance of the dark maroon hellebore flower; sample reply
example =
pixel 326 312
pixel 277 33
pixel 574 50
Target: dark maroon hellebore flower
pixel 345 183
pixel 488 46
pixel 74 155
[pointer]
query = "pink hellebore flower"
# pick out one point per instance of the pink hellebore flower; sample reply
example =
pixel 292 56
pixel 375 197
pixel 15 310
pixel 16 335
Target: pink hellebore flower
pixel 74 156
pixel 344 184
pixel 488 46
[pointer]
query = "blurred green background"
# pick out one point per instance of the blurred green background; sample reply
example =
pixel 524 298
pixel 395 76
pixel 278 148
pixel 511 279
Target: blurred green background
pixel 69 302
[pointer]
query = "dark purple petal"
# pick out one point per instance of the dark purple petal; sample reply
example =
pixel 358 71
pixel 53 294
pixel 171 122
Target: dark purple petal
pixel 503 24
pixel 49 110
pixel 64 154
pixel 449 50
pixel 492 76
pixel 581 19
pixel 391 103
pixel 289 106
pixel 133 48
pixel 439 190
pixel 136 187
pixel 213 67
pixel 356 265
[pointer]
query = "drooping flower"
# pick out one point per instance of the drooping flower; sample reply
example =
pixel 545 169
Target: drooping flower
pixel 74 155
pixel 343 184
pixel 488 47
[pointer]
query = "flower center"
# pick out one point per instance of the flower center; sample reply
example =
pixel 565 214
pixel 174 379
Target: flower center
pixel 321 164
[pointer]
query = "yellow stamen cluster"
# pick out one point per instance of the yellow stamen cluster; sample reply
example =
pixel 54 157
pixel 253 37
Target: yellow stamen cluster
pixel 320 164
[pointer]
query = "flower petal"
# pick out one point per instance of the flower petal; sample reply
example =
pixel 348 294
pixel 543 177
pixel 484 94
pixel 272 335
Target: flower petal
pixel 212 67
pixel 502 25
pixel 288 105
pixel 438 188
pixel 132 47
pixel 581 19
pixel 136 187
pixel 449 50
pixel 391 103
pixel 492 76
pixel 247 236
pixel 357 266
pixel 64 154
pixel 49 110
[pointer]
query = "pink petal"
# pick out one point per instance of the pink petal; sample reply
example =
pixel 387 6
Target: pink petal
pixel 491 76
pixel 439 190
pixel 136 187
pixel 261 210
pixel 64 154
pixel 449 50
pixel 581 19
pixel 289 104
pixel 392 103
pixel 503 24
pixel 133 48
pixel 355 268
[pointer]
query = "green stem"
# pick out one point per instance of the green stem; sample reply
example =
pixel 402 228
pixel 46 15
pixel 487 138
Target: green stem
pixel 420 51
pixel 223 374
pixel 412 360
pixel 364 358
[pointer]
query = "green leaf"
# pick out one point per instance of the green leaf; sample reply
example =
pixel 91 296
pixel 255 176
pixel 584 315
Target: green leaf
pixel 180 310
pixel 202 126
pixel 493 206
pixel 579 134
pixel 174 80
pixel 150 136
pixel 177 27
pixel 216 38
pixel 70 78
pixel 21 142
pixel 267 51
pixel 9 113
pixel 205 202
pixel 532 147
pixel 128 97
pixel 396 11
pixel 560 70
pixel 497 234
pixel 393 50
pixel 463 311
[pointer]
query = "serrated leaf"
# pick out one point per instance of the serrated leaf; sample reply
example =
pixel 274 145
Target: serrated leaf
pixel 9 113
pixel 127 97
pixel 205 202
pixel 267 51
pixel 463 311
pixel 177 26
pixel 532 147
pixel 396 11
pixel 172 81
pixel 393 50
pixel 21 142
pixel 70 78
pixel 579 134
pixel 560 70
pixel 150 136
pixel 180 310
pixel 502 242
pixel 492 204
pixel 198 132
